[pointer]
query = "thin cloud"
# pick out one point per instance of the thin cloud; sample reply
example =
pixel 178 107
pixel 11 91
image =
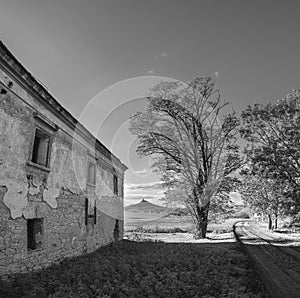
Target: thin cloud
pixel 216 73
pixel 163 54
pixel 150 71
pixel 144 171
pixel 152 189
pixel 150 185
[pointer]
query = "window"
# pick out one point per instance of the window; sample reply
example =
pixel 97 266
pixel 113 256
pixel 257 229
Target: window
pixel 41 146
pixel 34 233
pixel 115 185
pixel 117 231
pixel 90 217
pixel 91 177
pixel 88 212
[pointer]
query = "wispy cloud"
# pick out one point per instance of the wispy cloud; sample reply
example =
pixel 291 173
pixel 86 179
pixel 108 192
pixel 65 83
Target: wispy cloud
pixel 150 185
pixel 163 54
pixel 144 171
pixel 151 191
pixel 150 71
pixel 216 73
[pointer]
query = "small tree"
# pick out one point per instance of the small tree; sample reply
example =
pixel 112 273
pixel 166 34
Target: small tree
pixel 265 196
pixel 192 148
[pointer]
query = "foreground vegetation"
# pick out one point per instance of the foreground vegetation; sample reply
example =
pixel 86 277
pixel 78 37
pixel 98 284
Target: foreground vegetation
pixel 144 269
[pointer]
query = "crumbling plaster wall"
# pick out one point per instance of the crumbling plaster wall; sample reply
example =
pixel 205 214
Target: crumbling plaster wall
pixel 15 127
pixel 57 195
pixel 68 163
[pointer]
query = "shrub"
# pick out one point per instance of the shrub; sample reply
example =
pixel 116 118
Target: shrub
pixel 156 229
pixel 179 212
pixel 242 214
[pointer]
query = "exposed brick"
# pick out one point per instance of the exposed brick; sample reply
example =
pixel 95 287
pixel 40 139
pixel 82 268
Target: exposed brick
pixel 57 194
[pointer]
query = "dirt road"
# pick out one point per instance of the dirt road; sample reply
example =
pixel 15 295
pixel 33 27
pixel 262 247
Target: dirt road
pixel 277 259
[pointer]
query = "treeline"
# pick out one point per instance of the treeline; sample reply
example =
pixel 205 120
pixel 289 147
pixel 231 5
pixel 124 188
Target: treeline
pixel 271 174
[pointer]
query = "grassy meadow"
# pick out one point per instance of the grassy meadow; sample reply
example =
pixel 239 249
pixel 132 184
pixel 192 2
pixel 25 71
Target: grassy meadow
pixel 139 221
pixel 144 269
pixel 147 265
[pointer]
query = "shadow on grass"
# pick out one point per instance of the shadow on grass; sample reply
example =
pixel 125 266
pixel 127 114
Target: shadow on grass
pixel 144 269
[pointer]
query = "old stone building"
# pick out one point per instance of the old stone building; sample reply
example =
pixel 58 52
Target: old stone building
pixel 61 189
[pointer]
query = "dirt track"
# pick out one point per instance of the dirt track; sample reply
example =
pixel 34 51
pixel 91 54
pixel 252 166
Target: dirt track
pixel 277 262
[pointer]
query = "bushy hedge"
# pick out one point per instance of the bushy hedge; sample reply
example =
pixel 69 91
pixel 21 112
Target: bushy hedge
pixel 179 212
pixel 156 229
pixel 242 214
pixel 130 269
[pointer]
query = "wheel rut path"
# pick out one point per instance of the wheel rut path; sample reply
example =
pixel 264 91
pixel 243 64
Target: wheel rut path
pixel 277 263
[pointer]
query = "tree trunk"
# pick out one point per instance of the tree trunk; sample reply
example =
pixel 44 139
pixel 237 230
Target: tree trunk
pixel 269 222
pixel 276 221
pixel 201 221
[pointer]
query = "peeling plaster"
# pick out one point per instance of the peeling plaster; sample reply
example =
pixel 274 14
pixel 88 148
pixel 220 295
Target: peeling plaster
pixel 15 198
pixel 30 212
pixel 12 175
pixel 106 201
pixel 50 196
pixel 62 173
pixel 33 185
pixel 28 190
pixel 67 171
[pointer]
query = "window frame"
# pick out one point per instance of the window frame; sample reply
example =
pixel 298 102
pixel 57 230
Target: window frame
pixel 115 185
pixel 48 128
pixel 41 131
pixel 93 183
pixel 31 236
pixel 88 215
pixel 117 230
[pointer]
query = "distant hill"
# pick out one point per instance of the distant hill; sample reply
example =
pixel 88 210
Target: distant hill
pixel 147 207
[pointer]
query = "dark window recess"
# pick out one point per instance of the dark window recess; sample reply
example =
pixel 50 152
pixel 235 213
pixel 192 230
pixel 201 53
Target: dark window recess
pixel 3 91
pixel 90 217
pixel 117 230
pixel 115 185
pixel 40 152
pixel 91 173
pixel 86 211
pixel 34 233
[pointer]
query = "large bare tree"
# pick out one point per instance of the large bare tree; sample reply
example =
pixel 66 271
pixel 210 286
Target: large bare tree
pixel 192 144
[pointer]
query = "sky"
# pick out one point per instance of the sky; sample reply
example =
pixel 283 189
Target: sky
pixel 98 58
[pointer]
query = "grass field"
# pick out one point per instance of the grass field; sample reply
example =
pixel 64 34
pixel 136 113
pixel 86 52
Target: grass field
pixel 163 222
pixel 149 266
pixel 144 269
pixel 133 220
pixel 140 218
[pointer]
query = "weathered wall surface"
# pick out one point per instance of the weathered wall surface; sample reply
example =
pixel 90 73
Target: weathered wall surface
pixel 57 195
